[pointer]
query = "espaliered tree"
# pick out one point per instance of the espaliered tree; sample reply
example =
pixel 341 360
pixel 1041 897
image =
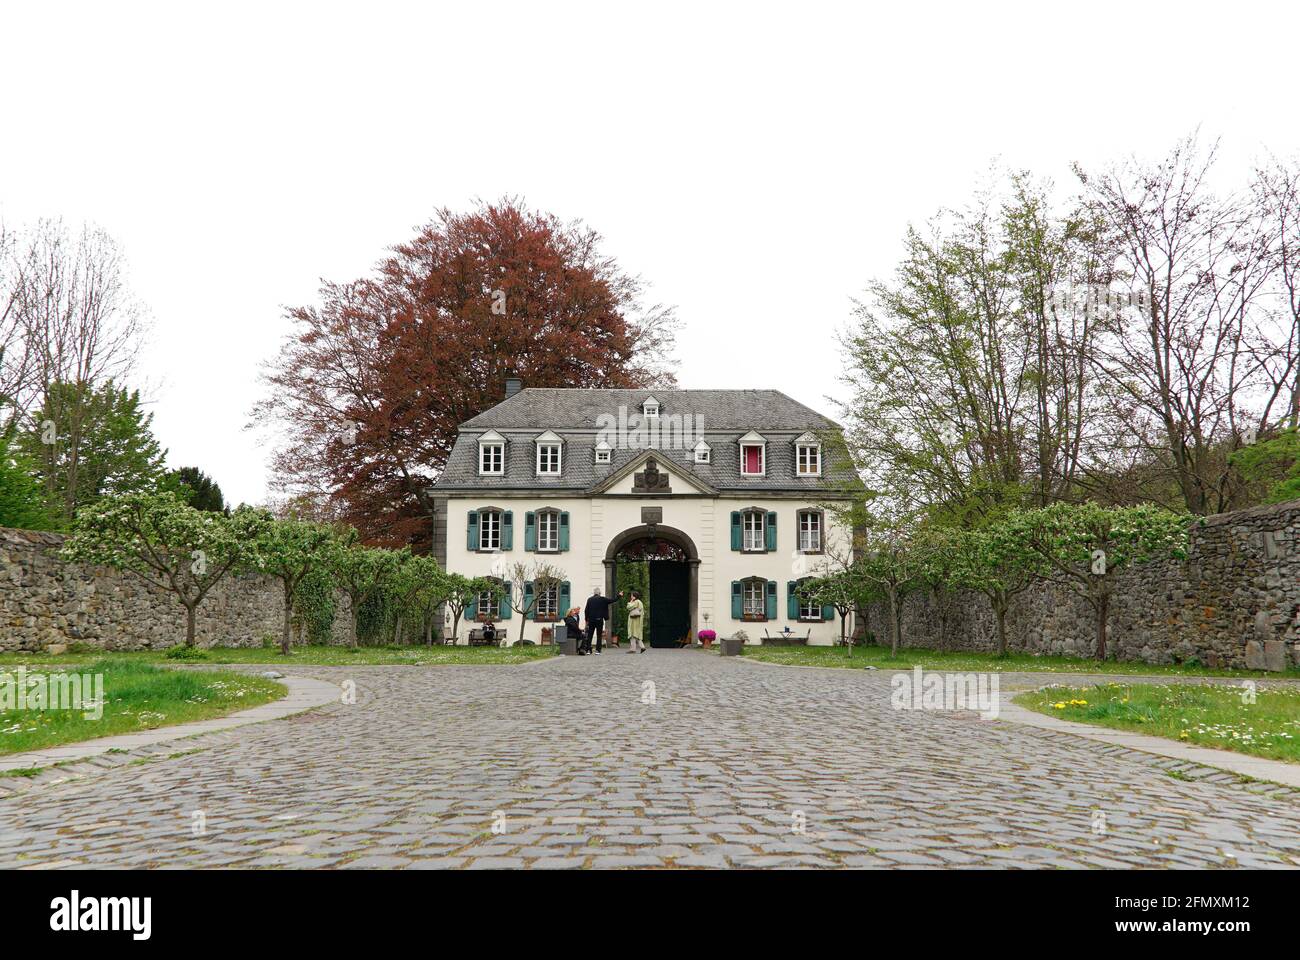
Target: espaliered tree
pixel 890 564
pixel 527 582
pixel 935 549
pixel 290 550
pixel 841 589
pixel 996 562
pixel 433 591
pixel 1084 546
pixel 461 593
pixel 166 543
pixel 361 573
pixel 418 589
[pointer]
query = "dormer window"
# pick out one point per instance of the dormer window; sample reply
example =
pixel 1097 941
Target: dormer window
pixel 550 451
pixel 807 456
pixel 603 452
pixel 650 407
pixel 703 453
pixel 491 454
pixel 753 455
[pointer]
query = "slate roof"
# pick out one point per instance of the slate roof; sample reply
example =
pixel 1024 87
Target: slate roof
pixel 723 410
pixel 724 416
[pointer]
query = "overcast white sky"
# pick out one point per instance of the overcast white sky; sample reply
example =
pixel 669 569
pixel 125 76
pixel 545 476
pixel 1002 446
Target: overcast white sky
pixel 757 164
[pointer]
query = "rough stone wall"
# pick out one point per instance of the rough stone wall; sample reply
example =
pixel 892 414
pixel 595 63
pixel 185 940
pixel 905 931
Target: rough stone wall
pixel 1235 602
pixel 44 600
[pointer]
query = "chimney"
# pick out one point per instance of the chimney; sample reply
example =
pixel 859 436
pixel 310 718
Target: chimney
pixel 513 385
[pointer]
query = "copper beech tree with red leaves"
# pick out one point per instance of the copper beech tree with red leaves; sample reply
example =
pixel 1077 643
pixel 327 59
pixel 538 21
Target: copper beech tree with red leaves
pixel 371 385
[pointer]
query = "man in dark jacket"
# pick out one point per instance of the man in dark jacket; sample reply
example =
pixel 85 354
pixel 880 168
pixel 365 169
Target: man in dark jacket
pixel 596 613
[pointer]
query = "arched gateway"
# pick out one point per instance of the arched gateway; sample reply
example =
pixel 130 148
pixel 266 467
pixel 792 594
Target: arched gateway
pixel 674 564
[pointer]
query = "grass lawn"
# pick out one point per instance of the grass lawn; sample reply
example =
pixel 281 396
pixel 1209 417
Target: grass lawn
pixel 909 657
pixel 1208 716
pixel 325 656
pixel 137 696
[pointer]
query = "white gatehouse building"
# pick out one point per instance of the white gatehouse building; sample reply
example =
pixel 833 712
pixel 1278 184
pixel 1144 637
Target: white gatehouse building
pixel 730 495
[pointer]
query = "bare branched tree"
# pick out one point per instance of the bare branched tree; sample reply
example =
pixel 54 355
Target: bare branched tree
pixel 70 323
pixel 1183 359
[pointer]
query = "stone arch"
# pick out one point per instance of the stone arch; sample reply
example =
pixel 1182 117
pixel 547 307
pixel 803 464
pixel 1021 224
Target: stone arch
pixel 660 532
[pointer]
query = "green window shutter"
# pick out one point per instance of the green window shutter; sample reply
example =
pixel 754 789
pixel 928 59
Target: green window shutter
pixel 473 530
pixel 530 532
pixel 771 600
pixel 508 530
pixel 564 599
pixel 504 609
pixel 828 611
pixel 530 604
pixel 735 529
pixel 771 531
pixel 737 601
pixel 564 530
pixel 792 599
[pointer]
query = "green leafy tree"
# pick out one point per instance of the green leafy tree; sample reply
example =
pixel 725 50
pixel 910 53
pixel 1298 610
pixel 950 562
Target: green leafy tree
pixel 967 388
pixel 196 488
pixel 21 502
pixel 363 573
pixel 88 442
pixel 1084 546
pixel 841 589
pixel 890 565
pixel 290 550
pixel 994 561
pixel 461 593
pixel 630 575
pixel 419 589
pixel 166 543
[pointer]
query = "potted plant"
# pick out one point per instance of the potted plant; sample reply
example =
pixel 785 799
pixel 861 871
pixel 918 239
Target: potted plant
pixel 734 644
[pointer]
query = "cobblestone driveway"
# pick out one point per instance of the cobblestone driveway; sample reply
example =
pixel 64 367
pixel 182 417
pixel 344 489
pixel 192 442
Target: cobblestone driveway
pixel 733 764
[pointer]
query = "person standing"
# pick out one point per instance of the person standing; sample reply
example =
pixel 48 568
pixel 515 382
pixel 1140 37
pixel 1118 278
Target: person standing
pixel 635 619
pixel 597 612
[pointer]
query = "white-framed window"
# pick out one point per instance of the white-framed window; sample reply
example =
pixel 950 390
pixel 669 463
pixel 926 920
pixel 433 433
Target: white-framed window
pixel 808 459
pixel 548 531
pixel 702 452
pixel 492 458
pixel 754 537
pixel 489 530
pixel 547 602
pixel 755 599
pixel 809 609
pixel 486 607
pixel 650 408
pixel 603 452
pixel 548 459
pixel 752 457
pixel 810 531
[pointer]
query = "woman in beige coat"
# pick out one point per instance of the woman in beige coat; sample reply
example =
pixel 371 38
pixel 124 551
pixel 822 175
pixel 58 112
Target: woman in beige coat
pixel 635 621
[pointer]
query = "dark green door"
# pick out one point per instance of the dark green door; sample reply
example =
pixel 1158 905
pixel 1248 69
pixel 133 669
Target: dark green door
pixel 670 597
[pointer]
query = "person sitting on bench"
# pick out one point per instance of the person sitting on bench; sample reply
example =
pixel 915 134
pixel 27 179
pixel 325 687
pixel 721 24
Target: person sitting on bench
pixel 574 631
pixel 489 632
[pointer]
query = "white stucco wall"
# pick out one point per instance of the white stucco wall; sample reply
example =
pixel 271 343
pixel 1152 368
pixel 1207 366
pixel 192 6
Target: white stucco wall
pixel 595 522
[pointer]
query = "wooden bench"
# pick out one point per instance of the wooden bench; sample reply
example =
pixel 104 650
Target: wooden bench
pixel 782 639
pixel 476 638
